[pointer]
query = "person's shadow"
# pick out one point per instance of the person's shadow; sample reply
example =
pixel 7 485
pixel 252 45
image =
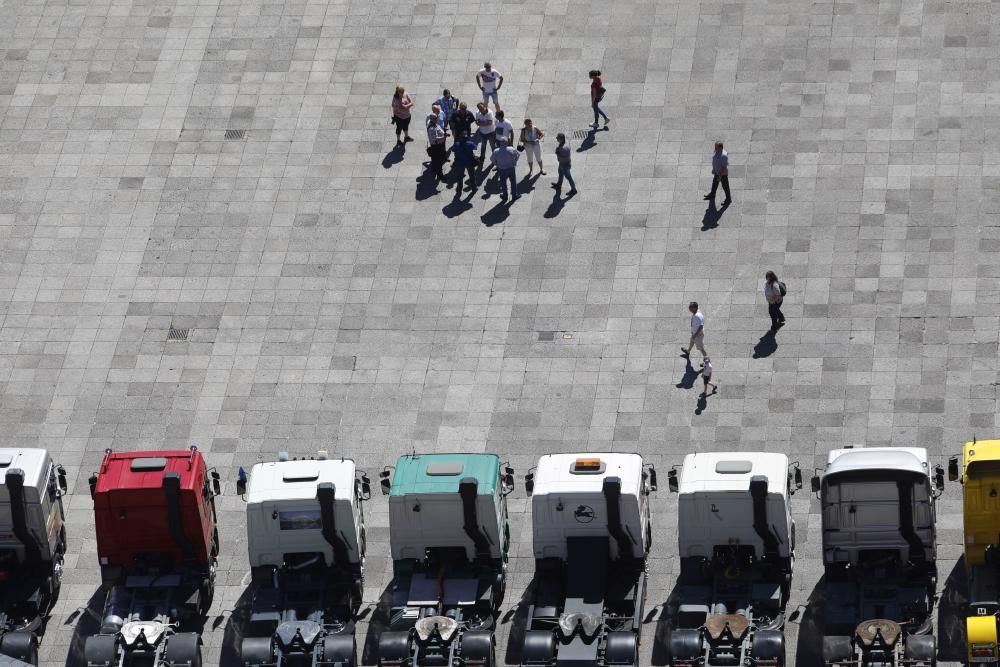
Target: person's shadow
pixel 712 216
pixel 496 215
pixel 457 206
pixel 426 185
pixel 703 400
pixel 690 375
pixel 394 157
pixel 766 346
pixel 590 140
pixel 527 184
pixel 556 207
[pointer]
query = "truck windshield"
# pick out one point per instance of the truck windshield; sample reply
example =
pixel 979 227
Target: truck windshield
pixel 980 469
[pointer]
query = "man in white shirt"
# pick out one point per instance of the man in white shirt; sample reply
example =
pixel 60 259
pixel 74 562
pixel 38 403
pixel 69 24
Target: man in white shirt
pixel 504 129
pixel 487 129
pixel 720 174
pixel 697 331
pixel 489 81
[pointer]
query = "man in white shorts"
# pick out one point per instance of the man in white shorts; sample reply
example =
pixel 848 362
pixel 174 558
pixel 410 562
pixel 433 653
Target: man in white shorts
pixel 489 81
pixel 697 331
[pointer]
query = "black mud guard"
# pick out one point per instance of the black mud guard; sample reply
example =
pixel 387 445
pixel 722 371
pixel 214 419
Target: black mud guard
pixel 768 645
pixel 837 648
pixel 539 646
pixel 920 647
pixel 339 649
pixel 622 648
pixel 182 649
pixel 393 646
pixel 20 645
pixel 256 651
pixel 100 650
pixel 477 644
pixel 685 644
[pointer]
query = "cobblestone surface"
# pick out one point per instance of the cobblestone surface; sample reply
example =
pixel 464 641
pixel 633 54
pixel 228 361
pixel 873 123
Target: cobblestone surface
pixel 335 300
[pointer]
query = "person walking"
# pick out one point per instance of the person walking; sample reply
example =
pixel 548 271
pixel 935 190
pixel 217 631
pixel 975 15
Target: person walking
pixel 531 140
pixel 720 174
pixel 449 105
pixel 462 121
pixel 697 331
pixel 504 130
pixel 465 163
pixel 505 158
pixel 401 105
pixel 489 81
pixel 706 376
pixel 563 156
pixel 596 95
pixel 435 146
pixel 487 129
pixel 774 294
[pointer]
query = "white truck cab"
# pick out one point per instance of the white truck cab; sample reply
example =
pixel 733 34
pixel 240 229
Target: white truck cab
pixel 284 512
pixel 30 489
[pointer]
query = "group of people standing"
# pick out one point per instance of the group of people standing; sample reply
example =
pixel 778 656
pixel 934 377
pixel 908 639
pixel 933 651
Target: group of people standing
pixel 450 116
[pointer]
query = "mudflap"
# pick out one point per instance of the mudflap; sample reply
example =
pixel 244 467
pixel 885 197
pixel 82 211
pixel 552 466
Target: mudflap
pixel 183 650
pixel 100 651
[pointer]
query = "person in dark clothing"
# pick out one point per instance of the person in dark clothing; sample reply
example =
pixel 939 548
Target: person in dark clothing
pixel 465 163
pixel 435 146
pixel 461 121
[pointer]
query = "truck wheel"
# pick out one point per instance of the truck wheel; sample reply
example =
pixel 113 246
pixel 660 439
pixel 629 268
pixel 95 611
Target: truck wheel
pixel 394 647
pixel 183 650
pixel 340 649
pixel 621 648
pixel 20 645
pixel 256 651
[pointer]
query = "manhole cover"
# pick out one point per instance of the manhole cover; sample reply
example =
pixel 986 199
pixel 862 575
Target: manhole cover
pixel 235 134
pixel 178 334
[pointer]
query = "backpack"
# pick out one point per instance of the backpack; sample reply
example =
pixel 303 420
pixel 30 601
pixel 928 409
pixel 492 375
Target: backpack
pixel 781 288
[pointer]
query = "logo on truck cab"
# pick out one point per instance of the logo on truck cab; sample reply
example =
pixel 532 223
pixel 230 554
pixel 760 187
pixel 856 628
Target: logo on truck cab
pixel 583 513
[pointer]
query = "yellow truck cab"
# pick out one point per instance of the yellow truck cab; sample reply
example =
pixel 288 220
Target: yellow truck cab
pixel 980 477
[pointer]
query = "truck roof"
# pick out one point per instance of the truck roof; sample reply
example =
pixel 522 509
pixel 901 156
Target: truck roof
pixel 980 451
pixel 911 459
pixel 145 470
pixel 34 463
pixel 442 473
pixel 732 471
pixel 297 480
pixel 560 473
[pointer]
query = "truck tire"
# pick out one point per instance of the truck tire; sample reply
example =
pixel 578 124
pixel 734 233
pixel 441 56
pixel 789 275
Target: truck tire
pixel 100 650
pixel 20 645
pixel 920 647
pixel 183 650
pixel 685 645
pixel 768 645
pixel 837 648
pixel 339 648
pixel 477 645
pixel 394 646
pixel 622 648
pixel 256 651
pixel 539 646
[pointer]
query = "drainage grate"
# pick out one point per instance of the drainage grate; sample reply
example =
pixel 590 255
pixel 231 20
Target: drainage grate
pixel 178 334
pixel 581 134
pixel 235 134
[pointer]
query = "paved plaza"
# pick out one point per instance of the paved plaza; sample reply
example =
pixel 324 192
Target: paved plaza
pixel 297 284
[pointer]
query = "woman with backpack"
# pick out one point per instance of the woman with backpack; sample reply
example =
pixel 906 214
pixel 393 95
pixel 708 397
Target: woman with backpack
pixel 596 95
pixel 774 293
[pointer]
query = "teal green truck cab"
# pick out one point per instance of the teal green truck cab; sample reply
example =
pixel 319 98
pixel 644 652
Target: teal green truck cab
pixel 449 537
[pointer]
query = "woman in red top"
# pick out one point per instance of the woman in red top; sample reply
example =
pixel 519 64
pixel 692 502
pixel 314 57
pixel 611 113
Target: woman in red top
pixel 596 95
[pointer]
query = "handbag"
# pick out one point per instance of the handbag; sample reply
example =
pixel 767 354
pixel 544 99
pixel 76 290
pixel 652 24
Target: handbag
pixel 520 148
pixel 600 93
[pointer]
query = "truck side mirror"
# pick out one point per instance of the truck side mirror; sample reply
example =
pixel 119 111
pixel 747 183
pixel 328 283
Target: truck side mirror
pixel 953 469
pixel 529 483
pixel 797 477
pixel 241 487
pixel 385 482
pixel 93 484
pixel 216 484
pixel 672 482
pixel 939 478
pixel 814 483
pixel 652 479
pixel 366 487
pixel 61 476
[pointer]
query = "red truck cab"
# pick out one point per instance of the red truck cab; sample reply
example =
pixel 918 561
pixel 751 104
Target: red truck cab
pixel 154 508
